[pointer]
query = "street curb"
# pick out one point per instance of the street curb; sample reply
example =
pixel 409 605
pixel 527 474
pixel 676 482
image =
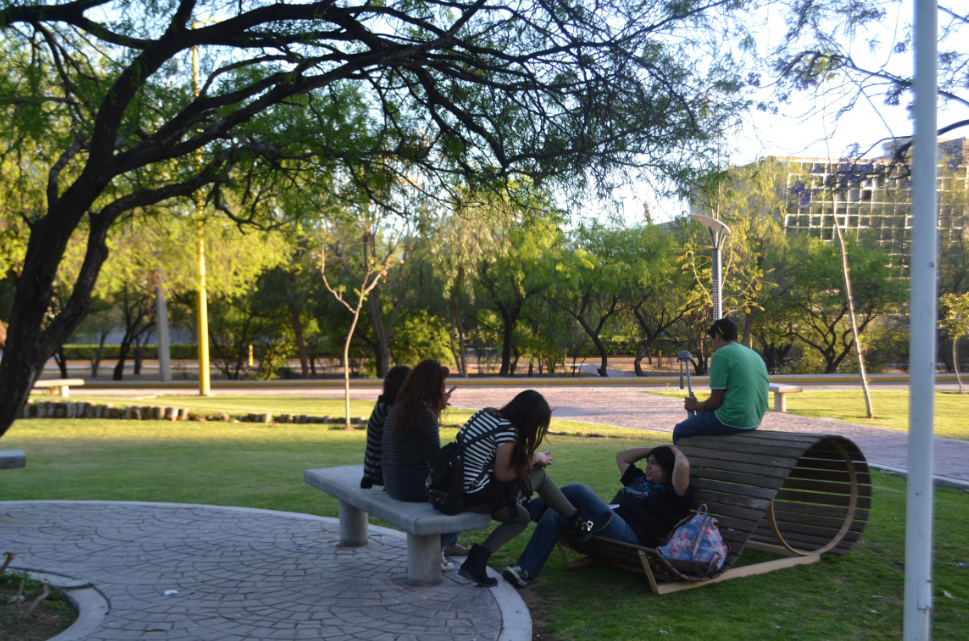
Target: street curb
pixel 92 607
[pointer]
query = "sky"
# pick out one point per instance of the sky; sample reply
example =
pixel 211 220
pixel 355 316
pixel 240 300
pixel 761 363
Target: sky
pixel 808 126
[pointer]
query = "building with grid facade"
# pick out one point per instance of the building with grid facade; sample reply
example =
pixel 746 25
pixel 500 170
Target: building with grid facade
pixel 872 199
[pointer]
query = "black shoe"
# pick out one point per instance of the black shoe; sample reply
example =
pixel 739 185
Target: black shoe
pixel 475 568
pixel 516 576
pixel 585 527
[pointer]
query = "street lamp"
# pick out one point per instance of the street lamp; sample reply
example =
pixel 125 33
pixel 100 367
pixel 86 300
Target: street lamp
pixel 205 386
pixel 718 236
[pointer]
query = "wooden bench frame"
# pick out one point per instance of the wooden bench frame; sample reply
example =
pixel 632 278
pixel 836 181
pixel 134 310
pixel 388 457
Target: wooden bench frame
pixel 796 495
pixel 423 524
pixel 781 391
pixel 63 384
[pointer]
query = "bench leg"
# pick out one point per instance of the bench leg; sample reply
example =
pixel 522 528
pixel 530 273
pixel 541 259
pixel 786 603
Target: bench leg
pixel 353 526
pixel 423 559
pixel 780 402
pixel 65 391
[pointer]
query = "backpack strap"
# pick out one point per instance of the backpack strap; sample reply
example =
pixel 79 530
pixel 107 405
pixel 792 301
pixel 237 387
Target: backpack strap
pixel 464 444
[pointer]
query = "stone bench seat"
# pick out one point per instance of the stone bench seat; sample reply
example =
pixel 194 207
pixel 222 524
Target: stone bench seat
pixel 12 459
pixel 780 391
pixel 63 384
pixel 423 524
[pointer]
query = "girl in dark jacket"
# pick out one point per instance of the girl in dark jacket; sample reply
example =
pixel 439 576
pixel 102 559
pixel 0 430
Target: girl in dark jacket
pixel 373 472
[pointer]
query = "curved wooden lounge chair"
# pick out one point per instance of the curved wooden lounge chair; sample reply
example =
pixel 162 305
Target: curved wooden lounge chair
pixel 798 495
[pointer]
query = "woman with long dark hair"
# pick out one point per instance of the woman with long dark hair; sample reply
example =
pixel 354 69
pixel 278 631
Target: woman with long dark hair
pixel 411 439
pixel 502 465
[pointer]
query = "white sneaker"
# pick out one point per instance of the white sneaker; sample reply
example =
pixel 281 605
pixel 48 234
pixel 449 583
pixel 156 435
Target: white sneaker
pixel 446 566
pixel 377 489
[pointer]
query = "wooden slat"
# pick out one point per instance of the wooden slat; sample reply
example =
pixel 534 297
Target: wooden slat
pixel 840 476
pixel 817 521
pixel 774 436
pixel 733 488
pixel 753 448
pixel 808 541
pixel 712 452
pixel 821 499
pixel 718 509
pixel 826 487
pixel 743 468
pixel 819 510
pixel 735 477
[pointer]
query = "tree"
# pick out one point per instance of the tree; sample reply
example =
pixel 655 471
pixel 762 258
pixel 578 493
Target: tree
pixel 820 53
pixel 815 294
pixel 955 319
pixel 660 293
pixel 310 94
pixel 512 279
pixel 589 282
pixel 371 272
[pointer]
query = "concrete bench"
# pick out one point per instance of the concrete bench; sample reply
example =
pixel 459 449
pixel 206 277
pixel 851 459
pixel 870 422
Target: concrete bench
pixel 780 390
pixel 424 525
pixel 64 384
pixel 11 459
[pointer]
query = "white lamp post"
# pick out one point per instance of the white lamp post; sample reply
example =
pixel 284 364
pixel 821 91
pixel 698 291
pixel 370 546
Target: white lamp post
pixel 718 236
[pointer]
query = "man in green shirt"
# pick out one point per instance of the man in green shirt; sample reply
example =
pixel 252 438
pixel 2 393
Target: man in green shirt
pixel 738 389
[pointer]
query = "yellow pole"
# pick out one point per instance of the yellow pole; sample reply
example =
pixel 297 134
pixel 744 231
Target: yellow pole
pixel 251 361
pixel 205 386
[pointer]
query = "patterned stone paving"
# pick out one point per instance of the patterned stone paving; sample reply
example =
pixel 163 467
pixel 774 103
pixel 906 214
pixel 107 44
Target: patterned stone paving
pixel 240 574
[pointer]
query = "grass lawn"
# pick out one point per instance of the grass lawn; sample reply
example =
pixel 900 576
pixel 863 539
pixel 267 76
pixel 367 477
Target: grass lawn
pixel 854 597
pixel 891 408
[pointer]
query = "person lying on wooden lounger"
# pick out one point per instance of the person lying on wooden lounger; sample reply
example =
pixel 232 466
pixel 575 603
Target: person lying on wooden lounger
pixel 649 504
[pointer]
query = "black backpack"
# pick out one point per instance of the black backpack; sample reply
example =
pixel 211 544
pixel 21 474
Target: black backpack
pixel 445 484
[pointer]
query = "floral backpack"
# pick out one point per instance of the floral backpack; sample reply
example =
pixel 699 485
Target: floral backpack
pixel 695 546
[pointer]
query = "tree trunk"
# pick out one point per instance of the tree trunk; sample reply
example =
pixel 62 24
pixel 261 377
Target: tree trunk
pixel 96 359
pixel 955 361
pixel 138 357
pixel 509 319
pixel 851 311
pixel 382 343
pixel 300 344
pixel 749 326
pixel 122 357
pixel 463 364
pixel 61 360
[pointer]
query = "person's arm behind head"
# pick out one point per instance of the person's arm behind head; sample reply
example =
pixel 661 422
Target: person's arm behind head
pixel 681 472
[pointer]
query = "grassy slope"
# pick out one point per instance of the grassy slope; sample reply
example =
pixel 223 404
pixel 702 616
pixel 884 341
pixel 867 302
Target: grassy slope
pixel 890 406
pixel 853 597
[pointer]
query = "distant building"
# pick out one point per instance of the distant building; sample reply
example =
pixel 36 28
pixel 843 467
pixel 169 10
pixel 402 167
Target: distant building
pixel 878 204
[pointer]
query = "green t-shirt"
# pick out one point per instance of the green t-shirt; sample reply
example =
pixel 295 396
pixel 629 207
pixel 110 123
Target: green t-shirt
pixel 741 372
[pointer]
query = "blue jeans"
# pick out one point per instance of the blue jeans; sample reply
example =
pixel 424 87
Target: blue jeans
pixel 551 526
pixel 449 539
pixel 703 424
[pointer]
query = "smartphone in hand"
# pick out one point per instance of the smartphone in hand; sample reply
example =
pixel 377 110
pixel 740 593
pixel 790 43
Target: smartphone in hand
pixel 548 455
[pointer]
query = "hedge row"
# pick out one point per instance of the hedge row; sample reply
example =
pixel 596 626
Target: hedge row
pixel 178 351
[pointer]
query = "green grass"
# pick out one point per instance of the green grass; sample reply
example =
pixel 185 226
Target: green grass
pixel 854 597
pixel 890 407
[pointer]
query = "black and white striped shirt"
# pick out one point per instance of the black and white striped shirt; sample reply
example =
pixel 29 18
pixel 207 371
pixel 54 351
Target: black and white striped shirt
pixel 372 469
pixel 479 458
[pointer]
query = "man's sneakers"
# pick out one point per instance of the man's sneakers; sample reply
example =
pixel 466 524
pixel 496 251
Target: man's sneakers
pixel 516 576
pixel 446 566
pixel 585 527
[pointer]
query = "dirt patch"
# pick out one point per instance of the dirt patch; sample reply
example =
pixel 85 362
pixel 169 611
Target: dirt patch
pixel 51 617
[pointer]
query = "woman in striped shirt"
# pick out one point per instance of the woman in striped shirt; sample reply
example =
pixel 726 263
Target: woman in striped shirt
pixel 373 472
pixel 501 467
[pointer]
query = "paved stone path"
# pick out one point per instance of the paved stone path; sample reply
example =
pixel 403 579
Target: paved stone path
pixel 245 574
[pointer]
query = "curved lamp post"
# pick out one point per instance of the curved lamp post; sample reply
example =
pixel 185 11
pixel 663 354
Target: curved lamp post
pixel 718 236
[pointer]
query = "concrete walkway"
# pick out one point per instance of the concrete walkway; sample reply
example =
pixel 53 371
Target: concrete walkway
pixel 210 573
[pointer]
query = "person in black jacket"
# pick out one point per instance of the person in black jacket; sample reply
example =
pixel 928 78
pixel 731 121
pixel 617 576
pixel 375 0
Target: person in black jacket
pixel 373 471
